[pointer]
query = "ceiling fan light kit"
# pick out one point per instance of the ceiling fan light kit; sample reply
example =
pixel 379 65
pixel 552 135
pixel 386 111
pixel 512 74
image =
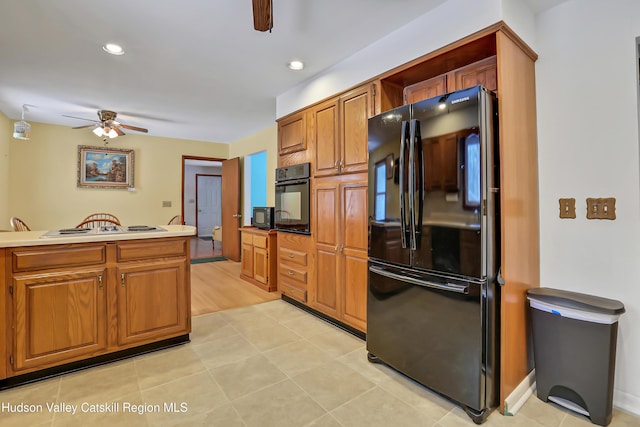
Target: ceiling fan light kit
pixel 107 126
pixel 22 129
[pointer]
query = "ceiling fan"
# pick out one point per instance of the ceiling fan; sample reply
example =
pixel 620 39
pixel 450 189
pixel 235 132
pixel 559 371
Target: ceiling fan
pixel 263 15
pixel 107 125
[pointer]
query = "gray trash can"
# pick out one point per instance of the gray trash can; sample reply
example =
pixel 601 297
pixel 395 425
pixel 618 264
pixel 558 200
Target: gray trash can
pixel 574 349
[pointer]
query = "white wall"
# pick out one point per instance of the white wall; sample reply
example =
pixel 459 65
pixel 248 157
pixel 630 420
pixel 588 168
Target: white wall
pixel 588 147
pixel 587 131
pixel 421 36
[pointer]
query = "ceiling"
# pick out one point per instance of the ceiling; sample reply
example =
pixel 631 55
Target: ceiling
pixel 192 69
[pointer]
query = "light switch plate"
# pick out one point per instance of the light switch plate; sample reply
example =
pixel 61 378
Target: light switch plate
pixel 601 208
pixel 568 208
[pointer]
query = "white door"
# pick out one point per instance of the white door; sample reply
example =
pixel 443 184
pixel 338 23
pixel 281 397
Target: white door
pixel 208 202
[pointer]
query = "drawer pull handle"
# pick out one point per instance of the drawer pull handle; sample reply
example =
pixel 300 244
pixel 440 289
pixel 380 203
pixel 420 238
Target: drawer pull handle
pixel 291 255
pixel 291 273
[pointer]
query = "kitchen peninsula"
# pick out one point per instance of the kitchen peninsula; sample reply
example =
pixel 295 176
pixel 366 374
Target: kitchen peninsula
pixel 71 300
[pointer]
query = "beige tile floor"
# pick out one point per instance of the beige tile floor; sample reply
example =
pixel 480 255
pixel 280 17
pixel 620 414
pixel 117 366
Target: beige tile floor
pixel 265 365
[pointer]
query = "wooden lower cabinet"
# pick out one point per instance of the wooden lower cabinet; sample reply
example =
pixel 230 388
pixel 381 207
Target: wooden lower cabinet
pixel 258 263
pixel 58 317
pixel 151 301
pixel 340 286
pixel 68 303
pixel 295 263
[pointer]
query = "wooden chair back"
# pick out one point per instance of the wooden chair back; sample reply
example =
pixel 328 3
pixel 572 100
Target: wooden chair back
pixel 18 225
pixel 106 218
pixel 96 223
pixel 176 220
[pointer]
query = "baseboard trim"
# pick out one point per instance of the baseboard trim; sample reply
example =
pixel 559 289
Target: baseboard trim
pixel 519 396
pixel 626 402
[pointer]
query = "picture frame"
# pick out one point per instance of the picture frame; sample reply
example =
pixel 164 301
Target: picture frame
pixel 100 167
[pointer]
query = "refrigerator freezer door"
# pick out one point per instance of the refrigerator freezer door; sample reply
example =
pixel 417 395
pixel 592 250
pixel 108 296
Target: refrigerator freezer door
pixel 430 333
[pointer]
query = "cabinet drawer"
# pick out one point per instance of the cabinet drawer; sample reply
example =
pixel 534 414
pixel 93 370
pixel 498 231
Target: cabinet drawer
pixel 293 256
pixel 151 249
pixel 260 241
pixel 247 238
pixel 293 291
pixel 38 259
pixel 288 272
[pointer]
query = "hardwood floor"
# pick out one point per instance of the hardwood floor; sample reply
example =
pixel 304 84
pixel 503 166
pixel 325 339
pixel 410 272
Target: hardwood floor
pixel 217 286
pixel 204 248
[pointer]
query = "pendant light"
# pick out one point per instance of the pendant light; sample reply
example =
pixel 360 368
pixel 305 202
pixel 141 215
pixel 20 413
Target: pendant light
pixel 22 129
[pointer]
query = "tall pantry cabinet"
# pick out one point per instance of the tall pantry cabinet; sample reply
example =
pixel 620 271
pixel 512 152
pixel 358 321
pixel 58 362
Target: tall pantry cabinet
pixel 336 135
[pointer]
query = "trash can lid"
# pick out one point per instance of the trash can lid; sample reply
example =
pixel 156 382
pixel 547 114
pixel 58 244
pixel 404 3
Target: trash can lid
pixel 576 300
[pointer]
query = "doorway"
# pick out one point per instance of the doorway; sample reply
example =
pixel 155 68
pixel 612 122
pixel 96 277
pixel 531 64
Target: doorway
pixel 198 194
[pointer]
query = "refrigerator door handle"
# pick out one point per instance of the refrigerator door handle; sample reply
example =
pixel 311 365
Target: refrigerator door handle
pixel 412 184
pixel 403 211
pixel 449 287
pixel 417 184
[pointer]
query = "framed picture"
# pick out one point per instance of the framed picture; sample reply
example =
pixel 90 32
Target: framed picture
pixel 105 167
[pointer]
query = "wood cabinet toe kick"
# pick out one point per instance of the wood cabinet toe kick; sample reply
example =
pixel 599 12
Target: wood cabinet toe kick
pixel 66 306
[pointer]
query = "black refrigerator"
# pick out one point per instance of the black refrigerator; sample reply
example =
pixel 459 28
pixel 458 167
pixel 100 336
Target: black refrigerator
pixel 432 302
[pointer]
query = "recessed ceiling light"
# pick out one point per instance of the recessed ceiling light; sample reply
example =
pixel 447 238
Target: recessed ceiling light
pixel 296 65
pixel 113 49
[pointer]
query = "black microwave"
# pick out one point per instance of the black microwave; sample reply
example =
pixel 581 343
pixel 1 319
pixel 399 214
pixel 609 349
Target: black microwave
pixel 262 217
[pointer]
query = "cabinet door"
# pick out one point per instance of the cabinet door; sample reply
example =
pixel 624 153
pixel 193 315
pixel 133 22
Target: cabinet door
pixel 260 265
pixel 353 274
pixel 484 72
pixel 246 265
pixel 324 293
pixel 355 110
pixel 292 134
pixel 59 317
pixel 152 301
pixel 325 136
pixel 426 89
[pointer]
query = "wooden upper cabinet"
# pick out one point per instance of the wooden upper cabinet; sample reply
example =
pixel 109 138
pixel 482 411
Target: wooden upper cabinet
pixel 340 132
pixel 292 133
pixel 326 138
pixel 484 72
pixel 355 109
pixel 426 89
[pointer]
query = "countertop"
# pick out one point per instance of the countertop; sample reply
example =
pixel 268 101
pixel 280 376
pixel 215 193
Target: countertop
pixel 34 238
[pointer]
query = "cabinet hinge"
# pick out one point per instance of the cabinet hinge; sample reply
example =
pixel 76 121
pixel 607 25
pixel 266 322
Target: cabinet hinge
pixel 373 89
pixel 11 360
pixel 11 289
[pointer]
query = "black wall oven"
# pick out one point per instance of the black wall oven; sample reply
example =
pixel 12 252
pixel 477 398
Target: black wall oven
pixel 292 199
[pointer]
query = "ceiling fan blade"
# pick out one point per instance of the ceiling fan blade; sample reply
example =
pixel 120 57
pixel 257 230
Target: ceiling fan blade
pixel 117 130
pixel 85 126
pixel 262 15
pixel 81 118
pixel 133 128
